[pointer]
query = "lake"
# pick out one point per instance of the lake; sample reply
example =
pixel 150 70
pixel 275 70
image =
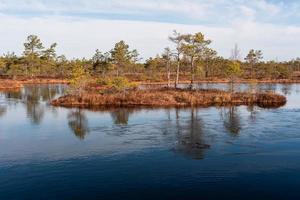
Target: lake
pixel 197 153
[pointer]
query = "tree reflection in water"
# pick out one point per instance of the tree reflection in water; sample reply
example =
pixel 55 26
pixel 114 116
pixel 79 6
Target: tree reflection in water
pixel 121 116
pixel 253 112
pixel 78 123
pixel 190 135
pixel 270 88
pixel 12 95
pixel 3 110
pixel 286 89
pixel 35 111
pixel 34 99
pixel 231 119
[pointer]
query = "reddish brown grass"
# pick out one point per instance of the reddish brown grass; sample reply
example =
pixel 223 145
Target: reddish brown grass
pixel 44 81
pixel 10 85
pixel 170 98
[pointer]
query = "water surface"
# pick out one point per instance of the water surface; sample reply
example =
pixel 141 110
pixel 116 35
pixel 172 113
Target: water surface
pixel 234 152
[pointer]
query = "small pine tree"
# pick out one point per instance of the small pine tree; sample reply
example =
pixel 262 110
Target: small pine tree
pixel 79 80
pixel 121 84
pixel 2 66
pixel 233 70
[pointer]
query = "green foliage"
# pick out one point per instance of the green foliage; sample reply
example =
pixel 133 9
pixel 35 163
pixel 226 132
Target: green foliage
pixel 195 48
pixel 103 81
pixel 253 56
pixel 79 79
pixel 117 83
pixel 33 46
pixel 283 72
pixel 122 57
pixel 50 53
pixel 101 62
pixel 2 63
pixel 167 55
pixel 2 66
pixel 233 70
pixel 177 39
pixel 194 45
pixel 191 56
pixel 154 64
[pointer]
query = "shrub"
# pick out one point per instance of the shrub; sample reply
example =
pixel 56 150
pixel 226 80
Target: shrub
pixel 79 80
pixel 121 84
pixel 104 81
pixel 233 70
pixel 117 83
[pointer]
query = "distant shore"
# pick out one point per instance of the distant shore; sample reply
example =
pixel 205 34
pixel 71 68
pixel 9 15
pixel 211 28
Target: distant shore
pixel 11 84
pixel 7 84
pixel 283 81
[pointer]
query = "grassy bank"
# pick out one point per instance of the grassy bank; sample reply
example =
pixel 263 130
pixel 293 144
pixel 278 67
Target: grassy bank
pixel 282 81
pixel 8 83
pixel 170 98
pixel 44 81
pixel 11 84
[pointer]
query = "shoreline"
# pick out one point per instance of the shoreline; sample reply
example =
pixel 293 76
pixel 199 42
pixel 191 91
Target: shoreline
pixel 18 83
pixel 247 81
pixel 45 81
pixel 10 84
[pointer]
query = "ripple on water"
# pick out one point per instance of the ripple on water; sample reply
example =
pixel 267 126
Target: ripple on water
pixel 91 152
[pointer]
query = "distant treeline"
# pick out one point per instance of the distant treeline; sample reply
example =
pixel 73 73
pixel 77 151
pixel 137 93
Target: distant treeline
pixel 191 56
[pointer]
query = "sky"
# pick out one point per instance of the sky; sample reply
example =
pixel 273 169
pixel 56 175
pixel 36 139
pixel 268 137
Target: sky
pixel 82 26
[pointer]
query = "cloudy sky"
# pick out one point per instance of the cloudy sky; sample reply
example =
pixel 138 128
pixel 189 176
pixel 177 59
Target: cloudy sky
pixel 81 26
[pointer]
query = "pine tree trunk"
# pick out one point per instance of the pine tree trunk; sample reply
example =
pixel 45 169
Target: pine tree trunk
pixel 206 70
pixel 168 74
pixel 192 73
pixel 177 73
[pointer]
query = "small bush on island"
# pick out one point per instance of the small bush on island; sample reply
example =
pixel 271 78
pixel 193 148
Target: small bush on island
pixel 233 71
pixel 104 81
pixel 116 84
pixel 79 80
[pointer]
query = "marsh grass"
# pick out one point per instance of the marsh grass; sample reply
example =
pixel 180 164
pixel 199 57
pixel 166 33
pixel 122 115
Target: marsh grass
pixel 170 98
pixel 10 85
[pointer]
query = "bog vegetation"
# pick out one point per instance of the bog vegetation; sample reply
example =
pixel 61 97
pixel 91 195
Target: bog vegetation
pixel 166 97
pixel 189 57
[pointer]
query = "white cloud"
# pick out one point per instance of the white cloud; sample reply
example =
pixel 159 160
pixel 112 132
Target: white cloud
pixel 100 6
pixel 80 37
pixel 252 24
pixel 210 11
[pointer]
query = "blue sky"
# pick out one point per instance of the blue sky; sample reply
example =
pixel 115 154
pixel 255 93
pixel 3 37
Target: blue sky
pixel 175 11
pixel 270 25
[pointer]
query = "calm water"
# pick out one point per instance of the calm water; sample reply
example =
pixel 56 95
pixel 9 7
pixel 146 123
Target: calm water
pixel 204 153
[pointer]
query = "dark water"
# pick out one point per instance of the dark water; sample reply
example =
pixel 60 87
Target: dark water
pixel 204 153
